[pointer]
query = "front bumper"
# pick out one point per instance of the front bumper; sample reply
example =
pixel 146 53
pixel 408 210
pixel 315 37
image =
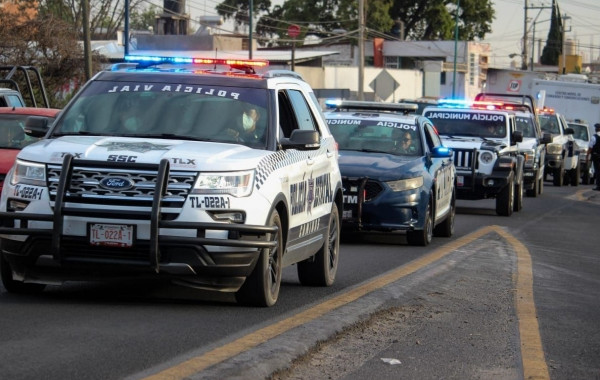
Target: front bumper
pixel 175 249
pixel 386 212
pixel 554 161
pixel 481 186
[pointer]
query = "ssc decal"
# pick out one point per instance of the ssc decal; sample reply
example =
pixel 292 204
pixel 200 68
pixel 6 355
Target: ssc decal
pixel 121 158
pixel 210 202
pixel 28 192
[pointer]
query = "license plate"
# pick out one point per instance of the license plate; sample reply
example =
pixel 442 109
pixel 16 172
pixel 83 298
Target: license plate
pixel 112 235
pixel 460 180
pixel 528 174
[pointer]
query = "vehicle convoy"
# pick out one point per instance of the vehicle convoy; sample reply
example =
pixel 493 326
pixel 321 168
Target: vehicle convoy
pixel 396 174
pixel 581 135
pixel 562 154
pixel 486 152
pixel 533 146
pixel 12 134
pixel 213 179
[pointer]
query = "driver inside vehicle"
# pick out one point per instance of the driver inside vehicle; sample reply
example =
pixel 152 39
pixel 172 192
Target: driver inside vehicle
pixel 403 141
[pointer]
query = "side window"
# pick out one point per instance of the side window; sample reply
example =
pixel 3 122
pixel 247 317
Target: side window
pixel 303 114
pixel 431 137
pixel 287 119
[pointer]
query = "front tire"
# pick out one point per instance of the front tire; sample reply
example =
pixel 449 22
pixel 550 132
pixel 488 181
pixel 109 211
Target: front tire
pixel 13 286
pixel 320 270
pixel 261 288
pixel 505 200
pixel 575 175
pixel 558 176
pixel 518 202
pixel 422 237
pixel 446 228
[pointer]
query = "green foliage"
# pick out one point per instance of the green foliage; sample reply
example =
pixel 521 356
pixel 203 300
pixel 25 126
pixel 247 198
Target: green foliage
pixel 553 47
pixel 143 19
pixel 434 19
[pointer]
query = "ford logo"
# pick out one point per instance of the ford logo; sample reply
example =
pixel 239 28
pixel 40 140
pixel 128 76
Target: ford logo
pixel 116 183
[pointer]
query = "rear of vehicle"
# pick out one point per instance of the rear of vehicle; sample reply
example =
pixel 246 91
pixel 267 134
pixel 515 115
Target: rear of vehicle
pixel 396 174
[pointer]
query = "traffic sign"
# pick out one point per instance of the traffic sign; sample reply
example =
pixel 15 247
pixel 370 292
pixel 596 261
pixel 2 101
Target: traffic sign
pixel 293 30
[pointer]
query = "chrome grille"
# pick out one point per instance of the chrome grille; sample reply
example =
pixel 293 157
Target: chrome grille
pixel 85 184
pixel 464 158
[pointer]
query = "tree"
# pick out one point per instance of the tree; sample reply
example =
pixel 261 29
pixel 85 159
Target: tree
pixel 553 47
pixel 238 10
pixel 106 16
pixel 44 41
pixel 434 19
pixel 323 17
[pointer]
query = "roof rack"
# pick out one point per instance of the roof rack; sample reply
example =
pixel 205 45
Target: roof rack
pixel 8 79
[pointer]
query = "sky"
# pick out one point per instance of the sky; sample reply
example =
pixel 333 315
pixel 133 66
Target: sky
pixel 508 27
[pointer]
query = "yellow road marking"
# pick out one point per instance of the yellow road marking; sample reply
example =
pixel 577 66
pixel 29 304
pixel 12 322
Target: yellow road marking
pixel 532 353
pixel 533 356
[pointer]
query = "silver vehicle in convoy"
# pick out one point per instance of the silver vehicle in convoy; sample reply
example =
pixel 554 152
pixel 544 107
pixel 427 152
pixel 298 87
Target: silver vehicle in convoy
pixel 582 135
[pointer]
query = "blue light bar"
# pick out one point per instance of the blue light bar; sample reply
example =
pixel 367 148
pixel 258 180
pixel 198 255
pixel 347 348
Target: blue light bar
pixel 154 60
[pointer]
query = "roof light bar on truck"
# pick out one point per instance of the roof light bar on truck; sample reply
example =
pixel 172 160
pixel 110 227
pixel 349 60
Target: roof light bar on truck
pixel 339 104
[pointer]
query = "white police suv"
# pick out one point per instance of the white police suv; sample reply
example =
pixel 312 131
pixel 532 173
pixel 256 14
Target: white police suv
pixel 213 179
pixel 486 152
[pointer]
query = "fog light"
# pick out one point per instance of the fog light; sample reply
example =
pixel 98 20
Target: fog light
pixel 228 216
pixel 16 205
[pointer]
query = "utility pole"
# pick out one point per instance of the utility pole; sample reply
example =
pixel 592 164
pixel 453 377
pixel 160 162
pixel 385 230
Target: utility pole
pixel 455 48
pixel 87 49
pixel 361 49
pixel 250 30
pixel 524 51
pixel 564 51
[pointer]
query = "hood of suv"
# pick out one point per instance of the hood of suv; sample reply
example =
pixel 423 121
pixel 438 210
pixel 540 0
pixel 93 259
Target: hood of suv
pixel 182 155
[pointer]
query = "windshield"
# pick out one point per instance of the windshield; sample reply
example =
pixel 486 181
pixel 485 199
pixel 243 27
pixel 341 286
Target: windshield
pixel 454 123
pixel 525 125
pixel 580 131
pixel 549 123
pixel 12 135
pixel 222 114
pixel 376 136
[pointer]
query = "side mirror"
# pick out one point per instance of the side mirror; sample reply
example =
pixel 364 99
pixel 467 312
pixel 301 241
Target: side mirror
pixel 569 131
pixel 546 138
pixel 302 139
pixel 517 137
pixel 442 152
pixel 37 126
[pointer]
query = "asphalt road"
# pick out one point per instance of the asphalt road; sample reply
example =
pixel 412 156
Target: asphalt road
pixel 451 310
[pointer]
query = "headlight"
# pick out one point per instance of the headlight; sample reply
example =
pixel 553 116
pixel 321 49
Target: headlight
pixel 406 184
pixel 554 149
pixel 238 184
pixel 529 155
pixel 28 173
pixel 486 158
